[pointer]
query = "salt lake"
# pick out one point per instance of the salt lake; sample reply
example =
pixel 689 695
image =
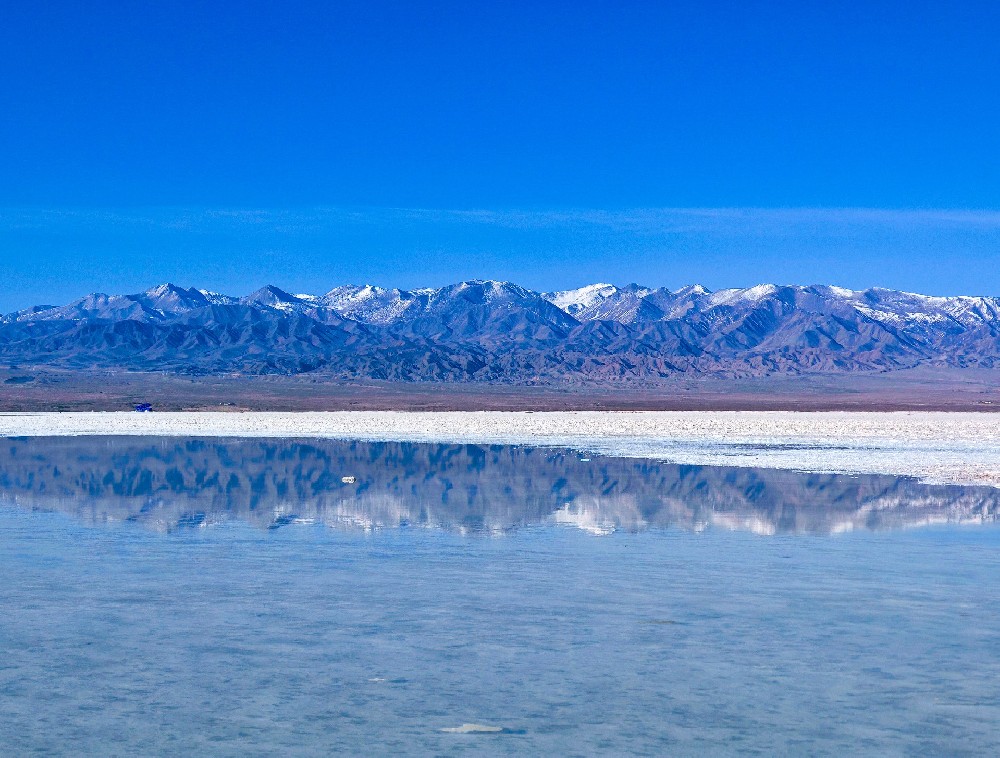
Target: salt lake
pixel 260 596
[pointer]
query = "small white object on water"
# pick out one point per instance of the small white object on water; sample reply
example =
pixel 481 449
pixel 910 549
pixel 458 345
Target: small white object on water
pixel 473 729
pixel 348 479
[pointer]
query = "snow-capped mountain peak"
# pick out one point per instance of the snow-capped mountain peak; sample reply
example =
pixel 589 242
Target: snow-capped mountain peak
pixel 270 296
pixel 370 304
pixel 581 298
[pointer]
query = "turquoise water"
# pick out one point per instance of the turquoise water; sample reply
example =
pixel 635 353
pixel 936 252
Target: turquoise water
pixel 146 614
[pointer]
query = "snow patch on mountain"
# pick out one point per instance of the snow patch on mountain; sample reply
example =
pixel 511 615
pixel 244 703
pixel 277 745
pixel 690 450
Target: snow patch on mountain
pixel 582 298
pixel 311 299
pixel 217 298
pixel 369 304
pixel 749 295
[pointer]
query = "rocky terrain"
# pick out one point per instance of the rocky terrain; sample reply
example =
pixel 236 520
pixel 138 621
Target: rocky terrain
pixel 486 331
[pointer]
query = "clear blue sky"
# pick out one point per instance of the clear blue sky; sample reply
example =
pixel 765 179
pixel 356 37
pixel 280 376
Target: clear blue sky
pixel 229 144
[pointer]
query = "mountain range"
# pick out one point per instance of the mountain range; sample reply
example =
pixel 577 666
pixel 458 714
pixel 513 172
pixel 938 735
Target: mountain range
pixel 494 331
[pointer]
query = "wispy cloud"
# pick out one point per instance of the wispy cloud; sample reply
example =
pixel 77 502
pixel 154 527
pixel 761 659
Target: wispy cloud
pixel 707 219
pixel 638 220
pixel 57 252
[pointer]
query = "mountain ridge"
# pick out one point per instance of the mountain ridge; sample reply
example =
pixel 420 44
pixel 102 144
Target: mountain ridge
pixel 498 331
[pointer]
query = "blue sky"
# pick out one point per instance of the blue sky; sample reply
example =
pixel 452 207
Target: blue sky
pixel 309 144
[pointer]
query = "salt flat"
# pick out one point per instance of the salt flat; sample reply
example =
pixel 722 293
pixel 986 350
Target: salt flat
pixel 934 446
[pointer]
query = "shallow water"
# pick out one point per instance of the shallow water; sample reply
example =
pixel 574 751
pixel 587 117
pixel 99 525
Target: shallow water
pixel 146 613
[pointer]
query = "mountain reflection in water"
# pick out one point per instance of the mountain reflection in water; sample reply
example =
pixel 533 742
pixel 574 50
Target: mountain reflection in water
pixel 171 483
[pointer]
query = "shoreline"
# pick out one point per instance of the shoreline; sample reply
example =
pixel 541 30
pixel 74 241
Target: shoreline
pixel 41 389
pixel 933 446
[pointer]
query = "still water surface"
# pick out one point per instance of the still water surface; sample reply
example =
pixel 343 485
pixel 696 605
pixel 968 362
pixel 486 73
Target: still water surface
pixel 190 596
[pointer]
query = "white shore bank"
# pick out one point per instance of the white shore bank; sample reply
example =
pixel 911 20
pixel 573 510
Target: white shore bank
pixel 961 448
